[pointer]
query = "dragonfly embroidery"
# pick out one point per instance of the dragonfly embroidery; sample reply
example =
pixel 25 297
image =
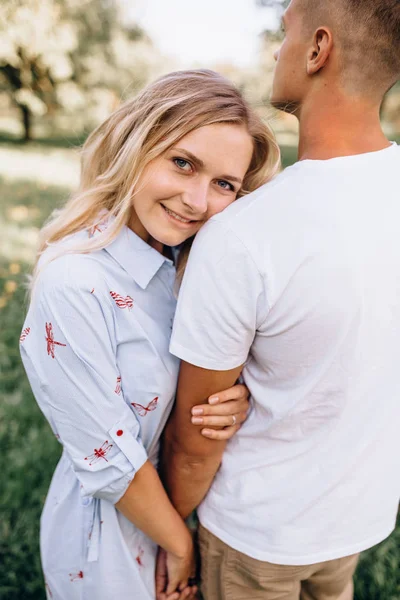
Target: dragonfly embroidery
pixel 46 585
pixel 143 410
pixel 118 386
pixel 98 227
pixel 25 334
pixel 122 301
pixel 139 557
pixel 76 576
pixel 99 453
pixel 51 343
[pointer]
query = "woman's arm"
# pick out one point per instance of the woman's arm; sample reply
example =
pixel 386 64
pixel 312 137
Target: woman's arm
pixel 70 358
pixel 147 505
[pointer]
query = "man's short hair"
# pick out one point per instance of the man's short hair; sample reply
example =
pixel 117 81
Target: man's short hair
pixel 369 34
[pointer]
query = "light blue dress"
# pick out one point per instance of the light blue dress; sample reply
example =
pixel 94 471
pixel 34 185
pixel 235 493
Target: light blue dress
pixel 95 349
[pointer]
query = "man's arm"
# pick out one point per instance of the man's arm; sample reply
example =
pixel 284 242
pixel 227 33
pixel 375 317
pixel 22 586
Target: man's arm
pixel 221 303
pixel 189 461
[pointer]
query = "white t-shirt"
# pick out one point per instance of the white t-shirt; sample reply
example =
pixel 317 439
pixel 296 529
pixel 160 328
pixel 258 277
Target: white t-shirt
pixel 301 282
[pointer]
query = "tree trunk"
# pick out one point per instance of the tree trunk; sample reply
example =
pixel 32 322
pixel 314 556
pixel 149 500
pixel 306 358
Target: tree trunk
pixel 26 122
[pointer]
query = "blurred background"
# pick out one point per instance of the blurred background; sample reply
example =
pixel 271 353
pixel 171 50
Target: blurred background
pixel 64 66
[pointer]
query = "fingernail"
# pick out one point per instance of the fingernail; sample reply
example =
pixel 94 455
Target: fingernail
pixel 213 400
pixel 197 411
pixel 206 431
pixel 197 420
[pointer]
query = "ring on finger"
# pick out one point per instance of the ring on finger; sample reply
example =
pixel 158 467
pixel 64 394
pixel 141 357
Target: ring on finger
pixel 233 420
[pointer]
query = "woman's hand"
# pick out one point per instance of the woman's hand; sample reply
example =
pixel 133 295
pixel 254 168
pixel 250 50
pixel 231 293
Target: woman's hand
pixel 173 574
pixel 225 412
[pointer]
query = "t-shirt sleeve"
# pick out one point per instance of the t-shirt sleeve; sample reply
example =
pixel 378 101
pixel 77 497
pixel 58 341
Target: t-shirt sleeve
pixel 68 348
pixel 221 302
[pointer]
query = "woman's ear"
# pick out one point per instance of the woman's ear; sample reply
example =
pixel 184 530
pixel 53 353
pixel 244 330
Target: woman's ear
pixel 320 50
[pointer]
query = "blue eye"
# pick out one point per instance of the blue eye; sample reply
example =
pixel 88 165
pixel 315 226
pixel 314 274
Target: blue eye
pixel 225 185
pixel 183 164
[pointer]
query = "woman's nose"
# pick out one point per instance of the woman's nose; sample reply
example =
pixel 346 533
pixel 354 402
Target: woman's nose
pixel 197 199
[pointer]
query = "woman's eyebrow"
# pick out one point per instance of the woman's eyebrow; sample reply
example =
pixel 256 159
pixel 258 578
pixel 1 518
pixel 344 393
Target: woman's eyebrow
pixel 232 178
pixel 192 157
pixel 200 164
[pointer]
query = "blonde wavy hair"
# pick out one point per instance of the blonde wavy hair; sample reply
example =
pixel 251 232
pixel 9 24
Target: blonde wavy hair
pixel 140 130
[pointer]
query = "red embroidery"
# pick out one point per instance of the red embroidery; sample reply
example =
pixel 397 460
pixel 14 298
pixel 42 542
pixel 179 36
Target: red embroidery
pixel 122 301
pixel 139 557
pixel 98 227
pixel 76 576
pixel 46 585
pixel 99 453
pixel 118 386
pixel 51 343
pixel 25 334
pixel 143 410
pixel 120 432
pixel 92 292
pixel 93 230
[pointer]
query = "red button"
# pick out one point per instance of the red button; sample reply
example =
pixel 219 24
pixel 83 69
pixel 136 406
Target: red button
pixel 120 432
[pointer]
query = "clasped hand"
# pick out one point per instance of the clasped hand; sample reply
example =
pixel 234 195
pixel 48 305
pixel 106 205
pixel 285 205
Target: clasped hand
pixel 220 419
pixel 173 575
pixel 224 413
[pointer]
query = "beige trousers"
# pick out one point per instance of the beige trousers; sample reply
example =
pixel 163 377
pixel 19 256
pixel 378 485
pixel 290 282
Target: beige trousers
pixel 227 574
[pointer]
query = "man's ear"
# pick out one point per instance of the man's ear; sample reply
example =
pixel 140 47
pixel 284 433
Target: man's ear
pixel 320 50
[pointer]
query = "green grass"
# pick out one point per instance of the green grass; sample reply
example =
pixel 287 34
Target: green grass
pixel 289 155
pixel 28 449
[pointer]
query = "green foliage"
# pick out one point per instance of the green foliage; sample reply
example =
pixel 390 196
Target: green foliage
pixel 378 573
pixel 29 453
pixel 28 449
pixel 289 155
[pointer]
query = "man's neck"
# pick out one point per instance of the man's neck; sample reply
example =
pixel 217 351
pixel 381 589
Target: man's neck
pixel 334 125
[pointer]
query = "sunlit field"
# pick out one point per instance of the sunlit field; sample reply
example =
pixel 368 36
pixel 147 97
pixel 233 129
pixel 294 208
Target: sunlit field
pixel 34 179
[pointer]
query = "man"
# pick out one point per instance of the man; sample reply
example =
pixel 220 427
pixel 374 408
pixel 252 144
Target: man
pixel 297 286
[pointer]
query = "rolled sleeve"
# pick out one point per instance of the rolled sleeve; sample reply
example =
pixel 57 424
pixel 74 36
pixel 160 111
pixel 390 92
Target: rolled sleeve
pixel 70 359
pixel 221 302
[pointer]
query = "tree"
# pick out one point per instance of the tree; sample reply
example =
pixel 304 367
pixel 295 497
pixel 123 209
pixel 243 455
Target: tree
pixel 278 4
pixel 53 53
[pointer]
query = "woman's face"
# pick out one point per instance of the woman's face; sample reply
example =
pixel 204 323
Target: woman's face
pixel 192 181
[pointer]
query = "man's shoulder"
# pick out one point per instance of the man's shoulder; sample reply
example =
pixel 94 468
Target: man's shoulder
pixel 267 194
pixel 255 210
pixel 247 224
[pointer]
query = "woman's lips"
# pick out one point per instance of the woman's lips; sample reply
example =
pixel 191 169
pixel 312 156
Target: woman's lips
pixel 177 218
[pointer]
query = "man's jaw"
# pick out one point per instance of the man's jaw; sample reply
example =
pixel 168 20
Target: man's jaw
pixel 288 106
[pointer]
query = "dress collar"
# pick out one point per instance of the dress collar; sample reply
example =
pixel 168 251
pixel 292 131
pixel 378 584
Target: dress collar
pixel 136 257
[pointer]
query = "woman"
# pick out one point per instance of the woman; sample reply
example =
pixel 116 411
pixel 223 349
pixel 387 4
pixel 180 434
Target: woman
pixel 95 340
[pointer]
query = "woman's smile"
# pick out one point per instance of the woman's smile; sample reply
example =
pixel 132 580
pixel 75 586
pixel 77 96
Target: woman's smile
pixel 153 173
pixel 191 183
pixel 178 219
